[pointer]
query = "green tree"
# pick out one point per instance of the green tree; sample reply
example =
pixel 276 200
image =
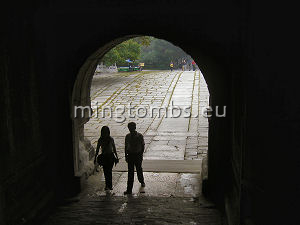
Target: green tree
pixel 126 50
pixel 130 49
pixel 144 40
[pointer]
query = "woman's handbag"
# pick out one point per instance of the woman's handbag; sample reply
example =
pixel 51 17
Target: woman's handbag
pixel 100 159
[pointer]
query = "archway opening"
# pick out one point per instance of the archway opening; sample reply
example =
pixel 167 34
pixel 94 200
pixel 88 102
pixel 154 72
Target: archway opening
pixel 167 102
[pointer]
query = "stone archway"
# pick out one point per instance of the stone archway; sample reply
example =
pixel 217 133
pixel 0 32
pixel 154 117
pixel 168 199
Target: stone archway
pixel 220 178
pixel 81 97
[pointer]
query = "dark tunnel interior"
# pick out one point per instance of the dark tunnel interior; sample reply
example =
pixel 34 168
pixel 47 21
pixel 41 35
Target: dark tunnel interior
pixel 49 51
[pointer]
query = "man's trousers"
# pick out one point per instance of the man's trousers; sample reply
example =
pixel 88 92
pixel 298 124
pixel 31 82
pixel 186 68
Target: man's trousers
pixel 134 160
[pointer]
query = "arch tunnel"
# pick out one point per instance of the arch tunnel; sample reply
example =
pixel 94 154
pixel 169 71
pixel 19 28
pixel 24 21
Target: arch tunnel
pixel 47 50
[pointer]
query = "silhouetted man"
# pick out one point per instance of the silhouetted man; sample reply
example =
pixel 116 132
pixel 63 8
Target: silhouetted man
pixel 134 149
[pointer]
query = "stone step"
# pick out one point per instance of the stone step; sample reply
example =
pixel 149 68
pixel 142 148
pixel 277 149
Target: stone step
pixel 168 166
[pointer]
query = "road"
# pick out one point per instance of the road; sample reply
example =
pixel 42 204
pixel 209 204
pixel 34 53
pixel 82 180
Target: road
pixel 165 137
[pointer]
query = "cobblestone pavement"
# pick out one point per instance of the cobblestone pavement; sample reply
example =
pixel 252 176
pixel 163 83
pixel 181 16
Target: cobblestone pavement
pixel 168 198
pixel 157 185
pixel 144 210
pixel 165 137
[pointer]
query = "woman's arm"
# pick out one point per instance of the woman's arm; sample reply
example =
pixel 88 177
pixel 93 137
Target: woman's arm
pixel 97 149
pixel 114 147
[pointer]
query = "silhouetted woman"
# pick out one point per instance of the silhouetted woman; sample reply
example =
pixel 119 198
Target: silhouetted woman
pixel 107 144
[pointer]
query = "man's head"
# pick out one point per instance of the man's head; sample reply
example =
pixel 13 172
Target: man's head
pixel 131 127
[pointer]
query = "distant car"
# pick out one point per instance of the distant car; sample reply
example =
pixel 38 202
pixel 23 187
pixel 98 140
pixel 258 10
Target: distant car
pixel 123 69
pixel 127 69
pixel 136 68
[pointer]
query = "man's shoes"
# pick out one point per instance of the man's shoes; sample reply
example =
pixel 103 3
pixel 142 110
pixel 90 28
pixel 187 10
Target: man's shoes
pixel 127 192
pixel 106 188
pixel 143 184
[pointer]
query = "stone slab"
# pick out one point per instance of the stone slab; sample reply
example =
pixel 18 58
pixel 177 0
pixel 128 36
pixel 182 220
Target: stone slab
pixel 168 166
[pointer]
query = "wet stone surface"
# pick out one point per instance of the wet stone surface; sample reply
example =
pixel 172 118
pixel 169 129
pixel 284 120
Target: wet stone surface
pixel 136 210
pixel 157 184
pixel 168 198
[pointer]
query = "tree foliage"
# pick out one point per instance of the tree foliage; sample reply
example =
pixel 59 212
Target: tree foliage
pixel 144 40
pixel 130 49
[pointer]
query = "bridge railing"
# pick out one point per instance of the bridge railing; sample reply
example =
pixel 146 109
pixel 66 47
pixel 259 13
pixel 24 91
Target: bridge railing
pixel 101 68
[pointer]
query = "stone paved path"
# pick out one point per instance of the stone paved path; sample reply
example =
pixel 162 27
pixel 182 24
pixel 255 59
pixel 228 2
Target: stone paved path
pixel 146 210
pixel 164 165
pixel 165 137
pixel 168 198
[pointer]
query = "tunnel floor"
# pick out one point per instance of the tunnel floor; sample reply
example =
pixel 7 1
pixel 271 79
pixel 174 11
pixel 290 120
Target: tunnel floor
pixel 168 198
